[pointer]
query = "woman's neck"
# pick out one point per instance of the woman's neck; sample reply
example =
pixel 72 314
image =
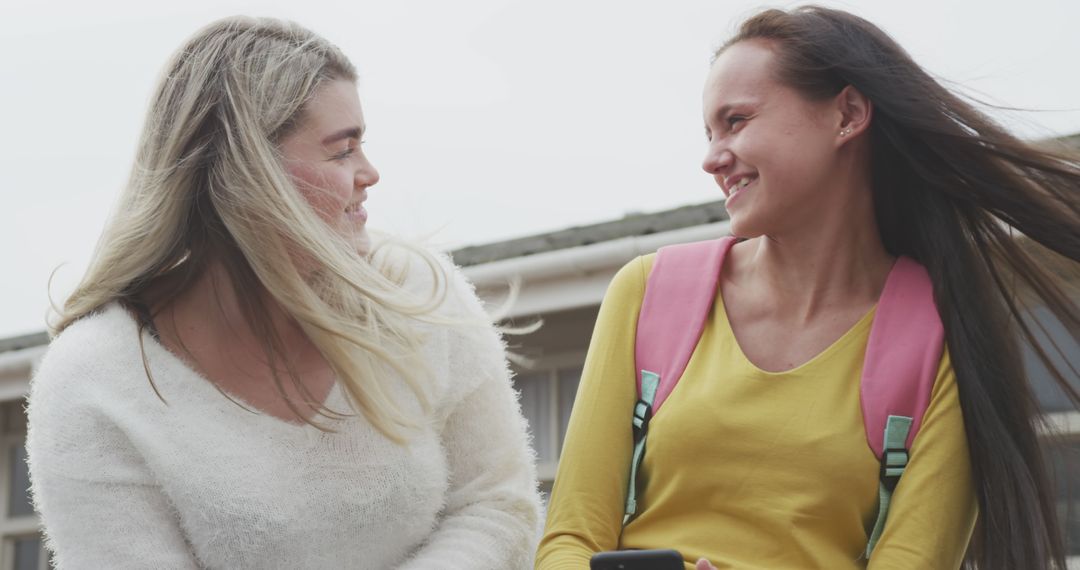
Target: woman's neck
pixel 210 314
pixel 837 259
pixel 206 324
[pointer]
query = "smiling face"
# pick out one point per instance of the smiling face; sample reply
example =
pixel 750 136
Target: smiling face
pixel 324 158
pixel 771 150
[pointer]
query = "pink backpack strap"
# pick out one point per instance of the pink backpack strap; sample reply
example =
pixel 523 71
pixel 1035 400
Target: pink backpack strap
pixel 679 295
pixel 902 359
pixel 903 353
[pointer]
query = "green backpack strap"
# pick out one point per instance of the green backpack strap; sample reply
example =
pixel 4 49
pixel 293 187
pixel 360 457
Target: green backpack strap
pixel 893 462
pixel 642 414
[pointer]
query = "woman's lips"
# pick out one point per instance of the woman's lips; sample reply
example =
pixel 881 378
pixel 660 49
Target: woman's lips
pixel 356 213
pixel 738 189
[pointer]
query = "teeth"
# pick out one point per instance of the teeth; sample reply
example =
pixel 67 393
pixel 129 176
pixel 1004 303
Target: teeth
pixel 741 183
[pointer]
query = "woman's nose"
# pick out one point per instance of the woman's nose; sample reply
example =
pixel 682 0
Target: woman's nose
pixel 716 160
pixel 367 175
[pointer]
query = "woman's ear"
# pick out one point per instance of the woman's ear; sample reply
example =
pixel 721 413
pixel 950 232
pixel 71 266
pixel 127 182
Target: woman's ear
pixel 855 112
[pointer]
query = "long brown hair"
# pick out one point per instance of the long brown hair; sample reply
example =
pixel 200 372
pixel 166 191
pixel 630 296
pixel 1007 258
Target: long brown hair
pixel 953 190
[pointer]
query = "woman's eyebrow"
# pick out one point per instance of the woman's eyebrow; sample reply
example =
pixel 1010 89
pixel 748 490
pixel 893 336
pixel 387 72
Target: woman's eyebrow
pixel 346 133
pixel 725 109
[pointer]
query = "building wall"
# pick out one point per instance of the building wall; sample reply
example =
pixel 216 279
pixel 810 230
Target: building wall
pixel 20 542
pixel 549 381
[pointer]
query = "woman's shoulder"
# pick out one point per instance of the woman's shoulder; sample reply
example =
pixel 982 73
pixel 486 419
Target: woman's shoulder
pixel 640 266
pixel 628 284
pixel 420 269
pixel 462 297
pixel 97 345
pixel 78 377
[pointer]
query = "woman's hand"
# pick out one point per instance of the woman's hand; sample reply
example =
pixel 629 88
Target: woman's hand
pixel 703 564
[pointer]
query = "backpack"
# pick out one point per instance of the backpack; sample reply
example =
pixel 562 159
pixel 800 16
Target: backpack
pixel 901 363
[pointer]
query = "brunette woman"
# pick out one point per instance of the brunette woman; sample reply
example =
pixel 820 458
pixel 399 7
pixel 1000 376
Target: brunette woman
pixel 838 154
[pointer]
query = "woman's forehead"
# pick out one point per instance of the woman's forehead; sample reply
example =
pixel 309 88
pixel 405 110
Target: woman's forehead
pixel 334 104
pixel 744 66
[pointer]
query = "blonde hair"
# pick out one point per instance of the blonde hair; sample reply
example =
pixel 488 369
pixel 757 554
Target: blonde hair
pixel 208 184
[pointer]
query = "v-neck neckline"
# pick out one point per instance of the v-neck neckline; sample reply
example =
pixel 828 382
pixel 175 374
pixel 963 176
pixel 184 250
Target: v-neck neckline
pixel 864 322
pixel 860 327
pixel 153 342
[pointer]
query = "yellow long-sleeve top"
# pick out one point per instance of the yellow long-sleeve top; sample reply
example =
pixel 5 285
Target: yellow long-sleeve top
pixel 747 468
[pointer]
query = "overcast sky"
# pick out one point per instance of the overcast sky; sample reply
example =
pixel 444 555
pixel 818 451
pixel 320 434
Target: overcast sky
pixel 487 119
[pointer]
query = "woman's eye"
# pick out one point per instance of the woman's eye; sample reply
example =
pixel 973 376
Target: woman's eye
pixel 348 151
pixel 735 120
pixel 345 153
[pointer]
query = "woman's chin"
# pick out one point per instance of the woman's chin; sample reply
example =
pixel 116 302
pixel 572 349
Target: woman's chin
pixel 741 227
pixel 361 242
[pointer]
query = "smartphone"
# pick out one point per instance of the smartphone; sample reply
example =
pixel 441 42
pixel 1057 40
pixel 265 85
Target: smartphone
pixel 637 560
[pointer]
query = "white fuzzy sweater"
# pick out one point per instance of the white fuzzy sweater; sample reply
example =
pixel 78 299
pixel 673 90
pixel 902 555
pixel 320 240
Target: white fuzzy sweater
pixel 123 480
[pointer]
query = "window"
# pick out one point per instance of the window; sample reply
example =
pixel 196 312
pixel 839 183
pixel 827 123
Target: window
pixel 1064 459
pixel 20 547
pixel 547 396
pixel 26 553
pixel 1062 453
pixel 1050 333
pixel 19 503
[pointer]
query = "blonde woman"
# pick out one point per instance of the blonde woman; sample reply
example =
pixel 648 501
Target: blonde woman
pixel 243 379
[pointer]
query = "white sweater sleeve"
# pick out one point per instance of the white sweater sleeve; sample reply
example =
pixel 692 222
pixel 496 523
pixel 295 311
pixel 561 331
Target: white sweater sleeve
pixel 96 497
pixel 492 514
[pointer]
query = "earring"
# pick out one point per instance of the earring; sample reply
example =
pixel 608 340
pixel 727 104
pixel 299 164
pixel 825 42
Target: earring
pixel 845 132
